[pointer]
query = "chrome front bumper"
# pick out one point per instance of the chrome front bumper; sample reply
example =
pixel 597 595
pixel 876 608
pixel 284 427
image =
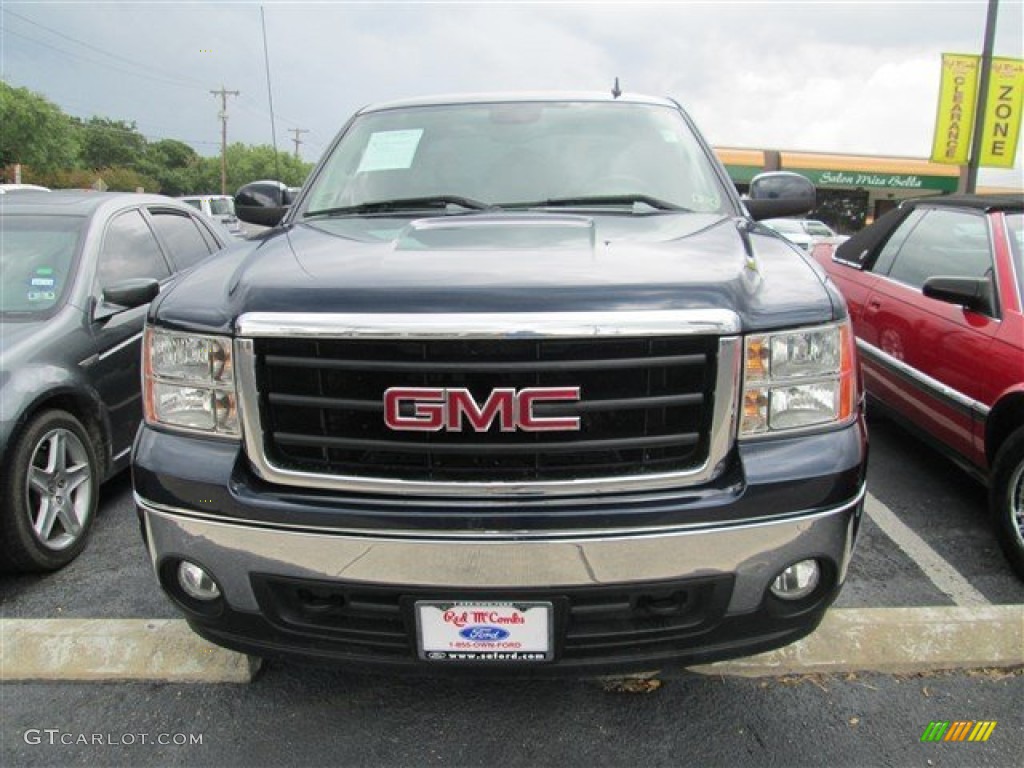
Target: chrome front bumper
pixel 754 553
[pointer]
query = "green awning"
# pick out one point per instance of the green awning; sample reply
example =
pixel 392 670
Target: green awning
pixel 907 181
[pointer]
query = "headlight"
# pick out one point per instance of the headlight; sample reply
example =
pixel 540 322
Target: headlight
pixel 798 380
pixel 188 382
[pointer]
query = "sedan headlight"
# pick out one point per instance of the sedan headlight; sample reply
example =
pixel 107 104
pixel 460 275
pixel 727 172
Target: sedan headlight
pixel 188 382
pixel 797 380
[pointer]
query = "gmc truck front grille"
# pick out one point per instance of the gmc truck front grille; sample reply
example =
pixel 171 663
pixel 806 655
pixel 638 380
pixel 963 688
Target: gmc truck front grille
pixel 646 408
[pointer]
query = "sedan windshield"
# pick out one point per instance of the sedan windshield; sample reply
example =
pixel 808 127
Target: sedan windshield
pixel 37 255
pixel 1015 227
pixel 638 157
pixel 222 206
pixel 786 226
pixel 818 229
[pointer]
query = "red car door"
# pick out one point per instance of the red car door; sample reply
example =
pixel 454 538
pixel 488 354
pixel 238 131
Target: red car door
pixel 924 357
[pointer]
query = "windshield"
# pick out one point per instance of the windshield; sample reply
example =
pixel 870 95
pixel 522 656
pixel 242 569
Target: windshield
pixel 222 206
pixel 520 153
pixel 786 226
pixel 1015 227
pixel 817 229
pixel 37 255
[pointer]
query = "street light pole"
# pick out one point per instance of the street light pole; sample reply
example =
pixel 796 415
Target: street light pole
pixel 979 110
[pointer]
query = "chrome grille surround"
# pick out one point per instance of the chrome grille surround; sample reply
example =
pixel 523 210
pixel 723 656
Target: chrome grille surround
pixel 721 324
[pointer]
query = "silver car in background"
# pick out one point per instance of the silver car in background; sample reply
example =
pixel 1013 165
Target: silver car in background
pixel 805 233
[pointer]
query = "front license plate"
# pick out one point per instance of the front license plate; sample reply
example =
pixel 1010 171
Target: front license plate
pixel 510 632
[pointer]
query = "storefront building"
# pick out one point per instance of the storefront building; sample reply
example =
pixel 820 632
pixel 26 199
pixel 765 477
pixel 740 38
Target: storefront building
pixel 853 190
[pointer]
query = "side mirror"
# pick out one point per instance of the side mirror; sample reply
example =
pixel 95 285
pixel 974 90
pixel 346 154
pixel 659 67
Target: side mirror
pixel 974 293
pixel 126 294
pixel 780 193
pixel 263 203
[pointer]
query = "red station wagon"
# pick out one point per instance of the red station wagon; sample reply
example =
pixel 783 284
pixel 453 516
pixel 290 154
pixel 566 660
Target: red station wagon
pixel 935 292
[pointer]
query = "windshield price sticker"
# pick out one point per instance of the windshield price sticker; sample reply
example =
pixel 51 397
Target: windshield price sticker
pixel 484 631
pixel 390 150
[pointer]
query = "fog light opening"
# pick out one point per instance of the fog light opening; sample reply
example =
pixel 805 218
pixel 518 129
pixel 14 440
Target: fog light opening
pixel 797 581
pixel 196 582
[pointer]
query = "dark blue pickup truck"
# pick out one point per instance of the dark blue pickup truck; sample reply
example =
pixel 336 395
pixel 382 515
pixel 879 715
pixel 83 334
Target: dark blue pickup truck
pixel 514 384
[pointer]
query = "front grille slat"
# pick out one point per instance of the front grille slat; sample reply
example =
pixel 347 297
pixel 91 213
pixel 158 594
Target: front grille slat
pixel 493 449
pixel 645 407
pixel 541 409
pixel 454 366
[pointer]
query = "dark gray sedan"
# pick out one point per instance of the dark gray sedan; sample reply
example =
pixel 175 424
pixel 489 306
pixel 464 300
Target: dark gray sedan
pixel 77 271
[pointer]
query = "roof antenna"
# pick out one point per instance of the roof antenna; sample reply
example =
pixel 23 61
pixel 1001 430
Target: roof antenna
pixel 616 91
pixel 270 98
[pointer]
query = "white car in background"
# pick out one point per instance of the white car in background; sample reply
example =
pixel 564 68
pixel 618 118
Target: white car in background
pixel 805 233
pixel 220 208
pixel 7 188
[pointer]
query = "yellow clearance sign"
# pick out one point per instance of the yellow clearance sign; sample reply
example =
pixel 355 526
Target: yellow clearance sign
pixel 1001 131
pixel 958 95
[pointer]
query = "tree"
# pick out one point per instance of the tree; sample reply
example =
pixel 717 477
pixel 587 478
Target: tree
pixel 61 151
pixel 109 143
pixel 174 164
pixel 171 153
pixel 119 179
pixel 35 132
pixel 251 163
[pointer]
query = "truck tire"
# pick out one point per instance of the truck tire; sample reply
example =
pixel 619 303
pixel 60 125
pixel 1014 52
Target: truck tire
pixel 48 494
pixel 1006 499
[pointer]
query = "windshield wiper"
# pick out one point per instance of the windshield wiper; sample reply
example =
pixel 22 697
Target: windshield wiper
pixel 403 204
pixel 599 200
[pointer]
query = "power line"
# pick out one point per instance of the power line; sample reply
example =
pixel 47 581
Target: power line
pixel 74 55
pixel 81 122
pixel 83 126
pixel 251 106
pixel 162 78
pixel 167 77
pixel 270 94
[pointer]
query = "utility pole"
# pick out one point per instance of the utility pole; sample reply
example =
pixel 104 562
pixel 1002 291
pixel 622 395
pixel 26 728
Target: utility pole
pixel 298 132
pixel 224 136
pixel 979 110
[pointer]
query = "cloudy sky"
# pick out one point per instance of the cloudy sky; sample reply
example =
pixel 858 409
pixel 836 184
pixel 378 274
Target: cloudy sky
pixel 859 77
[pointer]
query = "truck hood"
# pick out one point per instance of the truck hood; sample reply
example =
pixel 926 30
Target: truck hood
pixel 507 262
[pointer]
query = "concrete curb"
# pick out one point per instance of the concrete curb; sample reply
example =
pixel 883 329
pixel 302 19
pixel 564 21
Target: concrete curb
pixel 76 650
pixel 848 640
pixel 894 640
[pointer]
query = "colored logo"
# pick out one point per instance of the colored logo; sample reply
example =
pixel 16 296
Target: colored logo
pixel 958 730
pixel 484 634
pixel 433 409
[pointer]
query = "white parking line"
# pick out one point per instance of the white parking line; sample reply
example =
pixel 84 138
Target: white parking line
pixel 943 575
pixel 848 640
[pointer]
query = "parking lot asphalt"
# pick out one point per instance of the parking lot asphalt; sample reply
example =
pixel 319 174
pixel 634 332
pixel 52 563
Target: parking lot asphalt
pixel 927 590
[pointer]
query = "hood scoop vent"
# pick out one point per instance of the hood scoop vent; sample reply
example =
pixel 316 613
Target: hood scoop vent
pixel 498 232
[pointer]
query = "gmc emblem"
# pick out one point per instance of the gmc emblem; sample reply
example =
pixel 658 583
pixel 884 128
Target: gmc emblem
pixel 434 409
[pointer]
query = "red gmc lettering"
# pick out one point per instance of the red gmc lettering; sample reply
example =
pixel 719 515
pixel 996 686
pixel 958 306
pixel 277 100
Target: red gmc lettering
pixel 428 410
pixel 461 403
pixel 434 409
pixel 530 423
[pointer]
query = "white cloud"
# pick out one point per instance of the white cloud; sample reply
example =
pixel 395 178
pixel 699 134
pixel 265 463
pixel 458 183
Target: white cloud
pixel 837 77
